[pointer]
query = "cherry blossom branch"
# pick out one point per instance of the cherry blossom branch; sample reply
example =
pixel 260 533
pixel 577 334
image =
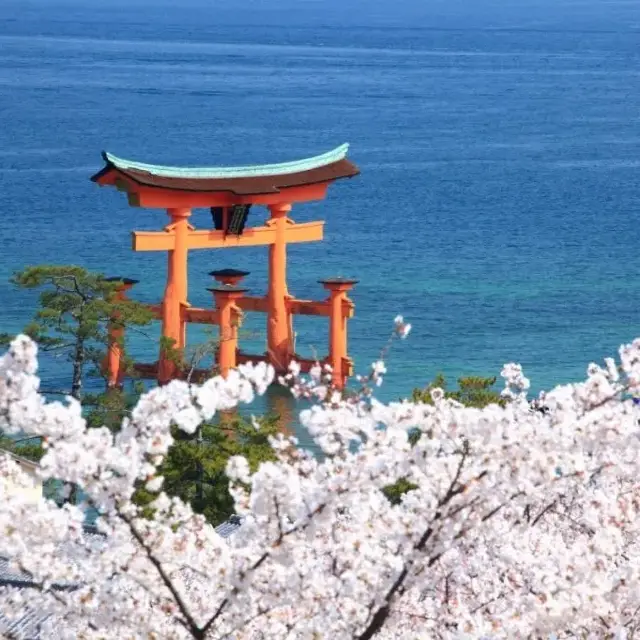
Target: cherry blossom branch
pixel 380 616
pixel 258 563
pixel 188 622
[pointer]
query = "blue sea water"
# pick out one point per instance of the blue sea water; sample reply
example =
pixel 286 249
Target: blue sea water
pixel 499 145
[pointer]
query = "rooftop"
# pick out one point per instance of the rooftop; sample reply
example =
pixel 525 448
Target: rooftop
pixel 242 180
pixel 222 173
pixel 23 462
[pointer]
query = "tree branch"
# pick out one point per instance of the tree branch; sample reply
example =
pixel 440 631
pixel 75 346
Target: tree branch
pixel 188 622
pixel 258 563
pixel 545 510
pixel 381 615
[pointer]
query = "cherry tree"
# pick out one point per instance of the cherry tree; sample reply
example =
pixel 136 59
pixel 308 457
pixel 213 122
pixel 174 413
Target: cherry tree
pixel 520 523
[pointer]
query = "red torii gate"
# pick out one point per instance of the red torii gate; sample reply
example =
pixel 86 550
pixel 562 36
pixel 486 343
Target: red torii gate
pixel 229 193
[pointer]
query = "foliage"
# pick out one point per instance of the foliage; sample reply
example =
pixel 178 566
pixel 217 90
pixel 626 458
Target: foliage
pixel 395 491
pixel 472 391
pixel 30 449
pixel 110 407
pixel 75 307
pixel 194 469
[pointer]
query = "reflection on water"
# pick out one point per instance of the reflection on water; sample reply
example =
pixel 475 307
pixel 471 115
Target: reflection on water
pixel 278 403
pixel 281 404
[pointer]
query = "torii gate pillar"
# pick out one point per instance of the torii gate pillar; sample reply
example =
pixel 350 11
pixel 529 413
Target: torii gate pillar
pixel 279 340
pixel 226 296
pixel 113 361
pixel 338 290
pixel 175 293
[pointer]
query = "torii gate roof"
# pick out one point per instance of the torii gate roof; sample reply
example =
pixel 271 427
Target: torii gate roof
pixel 241 181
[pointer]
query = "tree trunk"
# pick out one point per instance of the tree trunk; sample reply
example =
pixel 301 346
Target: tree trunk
pixel 78 364
pixel 76 392
pixel 200 480
pixel 73 494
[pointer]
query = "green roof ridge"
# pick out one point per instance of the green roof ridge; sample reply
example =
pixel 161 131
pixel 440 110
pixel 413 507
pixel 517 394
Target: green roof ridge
pixel 283 168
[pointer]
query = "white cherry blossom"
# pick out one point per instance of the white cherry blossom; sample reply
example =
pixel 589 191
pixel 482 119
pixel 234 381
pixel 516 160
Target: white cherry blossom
pixel 518 523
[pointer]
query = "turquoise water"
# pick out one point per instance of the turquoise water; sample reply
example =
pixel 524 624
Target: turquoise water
pixel 499 148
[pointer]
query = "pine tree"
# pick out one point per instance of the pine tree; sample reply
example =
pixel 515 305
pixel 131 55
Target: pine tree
pixel 76 307
pixel 472 391
pixel 195 467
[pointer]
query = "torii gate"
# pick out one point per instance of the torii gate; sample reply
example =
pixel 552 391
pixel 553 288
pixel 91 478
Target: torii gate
pixel 229 193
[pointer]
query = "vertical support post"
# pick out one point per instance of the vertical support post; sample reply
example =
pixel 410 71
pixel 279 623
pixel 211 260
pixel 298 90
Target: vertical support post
pixel 225 297
pixel 175 293
pixel 338 289
pixel 278 322
pixel 115 331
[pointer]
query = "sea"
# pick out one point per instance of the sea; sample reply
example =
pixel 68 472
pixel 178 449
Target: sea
pixel 499 148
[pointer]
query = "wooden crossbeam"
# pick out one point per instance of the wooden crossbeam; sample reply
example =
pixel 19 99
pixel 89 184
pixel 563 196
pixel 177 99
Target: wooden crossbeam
pixel 195 315
pixel 254 303
pixel 296 307
pixel 156 309
pixel 244 358
pixel 146 370
pixel 318 308
pixel 211 239
pixel 260 304
pixel 198 376
pixel 150 370
pixel 201 316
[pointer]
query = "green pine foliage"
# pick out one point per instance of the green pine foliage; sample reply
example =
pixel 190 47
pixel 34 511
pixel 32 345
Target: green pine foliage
pixel 472 391
pixel 30 449
pixel 109 408
pixel 194 469
pixel 71 321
